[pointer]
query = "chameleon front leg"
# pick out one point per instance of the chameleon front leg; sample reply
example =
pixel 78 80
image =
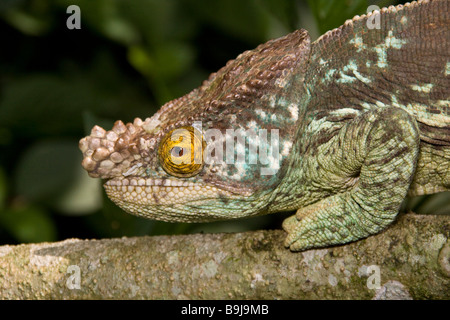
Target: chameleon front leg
pixel 371 161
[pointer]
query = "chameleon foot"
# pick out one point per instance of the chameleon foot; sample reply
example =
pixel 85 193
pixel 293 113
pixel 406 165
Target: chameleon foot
pixel 380 165
pixel 334 220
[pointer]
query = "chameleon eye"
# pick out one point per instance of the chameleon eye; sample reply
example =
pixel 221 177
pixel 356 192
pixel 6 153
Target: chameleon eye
pixel 181 152
pixel 176 152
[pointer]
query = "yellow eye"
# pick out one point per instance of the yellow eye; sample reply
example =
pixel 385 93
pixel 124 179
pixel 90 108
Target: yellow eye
pixel 181 152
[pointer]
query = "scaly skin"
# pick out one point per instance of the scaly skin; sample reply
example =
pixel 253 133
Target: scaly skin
pixel 363 118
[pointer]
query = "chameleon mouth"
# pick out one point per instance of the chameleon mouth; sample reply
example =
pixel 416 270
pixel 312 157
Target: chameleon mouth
pixel 160 191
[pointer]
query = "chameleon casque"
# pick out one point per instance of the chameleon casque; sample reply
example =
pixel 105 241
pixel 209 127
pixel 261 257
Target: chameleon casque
pixel 362 116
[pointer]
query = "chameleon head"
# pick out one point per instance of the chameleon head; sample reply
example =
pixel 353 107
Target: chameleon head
pixel 215 153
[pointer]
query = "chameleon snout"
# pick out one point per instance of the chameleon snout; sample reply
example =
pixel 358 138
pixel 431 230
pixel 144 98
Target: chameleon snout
pixel 106 154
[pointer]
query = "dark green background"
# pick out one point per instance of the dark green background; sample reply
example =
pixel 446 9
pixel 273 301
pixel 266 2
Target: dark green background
pixel 129 57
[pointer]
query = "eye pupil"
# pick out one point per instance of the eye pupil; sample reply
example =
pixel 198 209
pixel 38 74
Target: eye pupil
pixel 177 151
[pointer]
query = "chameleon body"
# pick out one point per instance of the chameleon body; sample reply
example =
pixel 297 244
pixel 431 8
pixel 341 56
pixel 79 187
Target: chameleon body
pixel 361 118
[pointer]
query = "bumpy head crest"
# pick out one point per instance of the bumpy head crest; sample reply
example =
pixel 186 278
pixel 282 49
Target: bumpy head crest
pixel 109 154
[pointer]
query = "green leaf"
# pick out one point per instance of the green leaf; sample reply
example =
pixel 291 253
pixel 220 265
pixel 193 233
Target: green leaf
pixel 35 23
pixel 245 20
pixel 158 21
pixel 330 14
pixel 28 224
pixel 162 65
pixel 166 62
pixel 47 169
pixel 83 196
pixel 140 60
pixel 43 105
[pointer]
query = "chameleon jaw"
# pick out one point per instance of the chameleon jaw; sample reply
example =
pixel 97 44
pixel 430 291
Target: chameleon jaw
pixel 171 200
pixel 160 192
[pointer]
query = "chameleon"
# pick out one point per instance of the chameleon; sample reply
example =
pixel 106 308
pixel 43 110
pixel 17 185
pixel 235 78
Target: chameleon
pixel 357 120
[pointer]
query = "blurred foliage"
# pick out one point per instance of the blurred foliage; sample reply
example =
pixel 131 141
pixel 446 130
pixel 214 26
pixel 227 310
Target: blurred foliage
pixel 324 11
pixel 128 58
